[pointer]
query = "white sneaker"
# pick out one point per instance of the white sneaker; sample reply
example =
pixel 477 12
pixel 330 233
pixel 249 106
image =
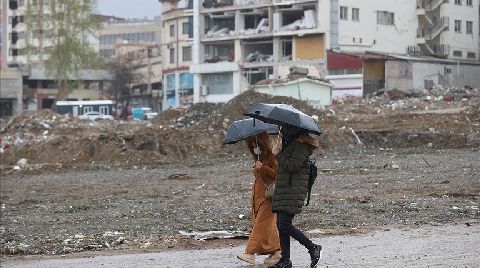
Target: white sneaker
pixel 273 258
pixel 247 257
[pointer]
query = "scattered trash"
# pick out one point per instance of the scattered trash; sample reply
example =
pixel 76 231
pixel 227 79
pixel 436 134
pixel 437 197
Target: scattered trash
pixel 213 235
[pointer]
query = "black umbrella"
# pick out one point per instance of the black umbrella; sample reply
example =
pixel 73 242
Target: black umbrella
pixel 242 129
pixel 279 114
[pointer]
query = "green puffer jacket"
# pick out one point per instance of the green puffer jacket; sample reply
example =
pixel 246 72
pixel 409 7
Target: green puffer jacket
pixel 291 186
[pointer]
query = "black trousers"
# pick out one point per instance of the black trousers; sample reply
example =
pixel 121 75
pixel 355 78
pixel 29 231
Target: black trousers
pixel 287 230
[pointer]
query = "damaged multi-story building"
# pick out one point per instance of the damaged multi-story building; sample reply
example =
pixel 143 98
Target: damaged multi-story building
pixel 362 46
pixel 238 43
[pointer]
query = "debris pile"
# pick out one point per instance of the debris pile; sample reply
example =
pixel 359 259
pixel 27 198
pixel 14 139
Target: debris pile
pixel 197 132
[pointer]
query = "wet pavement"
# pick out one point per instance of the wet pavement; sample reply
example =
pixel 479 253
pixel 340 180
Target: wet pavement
pixel 442 246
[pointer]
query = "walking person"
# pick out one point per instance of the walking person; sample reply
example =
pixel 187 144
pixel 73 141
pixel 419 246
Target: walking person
pixel 263 240
pixel 291 189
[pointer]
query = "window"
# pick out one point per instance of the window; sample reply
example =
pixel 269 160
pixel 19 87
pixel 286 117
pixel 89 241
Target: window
pixel 355 14
pixel 220 83
pixel 187 53
pixel 469 27
pixel 385 18
pixel 457 53
pixel 185 28
pixel 87 109
pixel 190 27
pixel 471 55
pixel 458 26
pixel 172 30
pixel 172 55
pixel 104 110
pixel 343 13
pixel 458 2
pixel 469 3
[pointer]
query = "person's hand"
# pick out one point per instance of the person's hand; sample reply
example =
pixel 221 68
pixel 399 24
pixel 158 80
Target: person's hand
pixel 258 164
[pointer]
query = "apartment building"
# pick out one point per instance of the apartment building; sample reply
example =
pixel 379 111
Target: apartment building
pixel 26 46
pixel 238 43
pixel 448 29
pixel 128 31
pixel 139 40
pixel 177 49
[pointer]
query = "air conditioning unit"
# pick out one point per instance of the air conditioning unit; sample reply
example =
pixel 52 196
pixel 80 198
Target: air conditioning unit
pixel 203 90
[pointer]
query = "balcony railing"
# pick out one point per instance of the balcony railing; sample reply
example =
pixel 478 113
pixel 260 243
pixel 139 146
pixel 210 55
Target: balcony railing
pixel 440 50
pixel 432 32
pixel 430 5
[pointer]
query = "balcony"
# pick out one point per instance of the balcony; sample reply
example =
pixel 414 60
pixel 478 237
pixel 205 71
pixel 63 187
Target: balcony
pixel 429 5
pixel 217 5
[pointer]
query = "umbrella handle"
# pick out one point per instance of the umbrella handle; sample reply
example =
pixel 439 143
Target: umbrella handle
pixel 256 143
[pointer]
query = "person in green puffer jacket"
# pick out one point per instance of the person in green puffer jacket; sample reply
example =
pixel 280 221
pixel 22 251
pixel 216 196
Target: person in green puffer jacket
pixel 291 189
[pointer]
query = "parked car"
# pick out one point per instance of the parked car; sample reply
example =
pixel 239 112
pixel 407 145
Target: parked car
pixel 143 113
pixel 95 116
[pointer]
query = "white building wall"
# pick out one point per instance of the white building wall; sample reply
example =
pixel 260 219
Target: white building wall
pixel 457 76
pixel 367 35
pixel 461 41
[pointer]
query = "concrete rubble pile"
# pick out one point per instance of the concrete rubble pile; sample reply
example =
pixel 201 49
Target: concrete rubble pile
pixel 413 119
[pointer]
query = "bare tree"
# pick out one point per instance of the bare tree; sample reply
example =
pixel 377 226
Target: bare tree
pixel 126 74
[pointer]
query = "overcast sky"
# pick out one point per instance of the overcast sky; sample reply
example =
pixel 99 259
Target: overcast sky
pixel 129 8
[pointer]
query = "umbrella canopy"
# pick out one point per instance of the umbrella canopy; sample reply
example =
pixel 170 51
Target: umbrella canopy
pixel 279 114
pixel 242 129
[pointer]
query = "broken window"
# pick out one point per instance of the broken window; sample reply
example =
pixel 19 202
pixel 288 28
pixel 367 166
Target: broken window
pixel 220 51
pixel 254 75
pixel 220 24
pixel 258 51
pixel 295 17
pixel 255 21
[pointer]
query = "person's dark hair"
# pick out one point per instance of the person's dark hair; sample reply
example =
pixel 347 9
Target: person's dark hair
pixel 289 134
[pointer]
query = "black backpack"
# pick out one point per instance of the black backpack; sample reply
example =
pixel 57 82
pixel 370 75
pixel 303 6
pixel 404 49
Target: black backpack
pixel 311 177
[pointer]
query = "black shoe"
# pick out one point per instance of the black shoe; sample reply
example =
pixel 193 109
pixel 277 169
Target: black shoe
pixel 282 264
pixel 315 255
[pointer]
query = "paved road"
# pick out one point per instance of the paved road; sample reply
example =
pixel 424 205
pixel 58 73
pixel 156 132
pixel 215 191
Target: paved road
pixel 444 246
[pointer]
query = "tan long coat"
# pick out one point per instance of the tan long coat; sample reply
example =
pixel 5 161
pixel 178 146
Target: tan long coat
pixel 264 236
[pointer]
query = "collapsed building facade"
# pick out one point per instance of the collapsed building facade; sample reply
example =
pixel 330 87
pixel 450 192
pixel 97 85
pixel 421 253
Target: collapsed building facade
pixel 238 43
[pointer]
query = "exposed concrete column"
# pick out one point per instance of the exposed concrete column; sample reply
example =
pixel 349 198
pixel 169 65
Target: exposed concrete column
pixel 238 51
pixel 270 19
pixel 239 22
pixel 277 54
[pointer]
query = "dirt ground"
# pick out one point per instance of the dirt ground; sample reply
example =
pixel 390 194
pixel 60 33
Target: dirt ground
pixel 70 186
pixel 74 211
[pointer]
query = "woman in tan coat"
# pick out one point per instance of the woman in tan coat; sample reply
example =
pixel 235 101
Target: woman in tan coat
pixel 263 239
